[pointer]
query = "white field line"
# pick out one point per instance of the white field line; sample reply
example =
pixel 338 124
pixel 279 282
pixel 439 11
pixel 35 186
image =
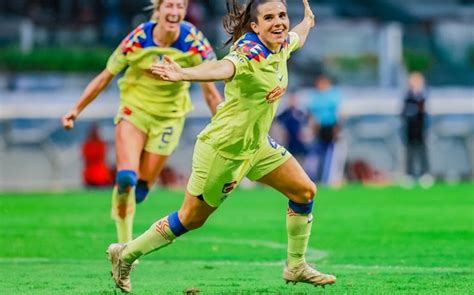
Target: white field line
pixel 311 253
pixel 335 267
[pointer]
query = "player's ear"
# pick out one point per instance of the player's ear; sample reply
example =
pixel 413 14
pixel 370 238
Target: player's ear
pixel 254 27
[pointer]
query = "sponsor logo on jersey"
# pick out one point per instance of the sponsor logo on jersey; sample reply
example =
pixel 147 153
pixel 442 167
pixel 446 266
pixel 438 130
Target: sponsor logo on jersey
pixel 275 94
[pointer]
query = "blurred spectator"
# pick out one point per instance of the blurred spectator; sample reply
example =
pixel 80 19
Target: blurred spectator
pixel 293 120
pixel 414 119
pixel 171 178
pixel 96 173
pixel 195 13
pixel 324 107
pixel 361 171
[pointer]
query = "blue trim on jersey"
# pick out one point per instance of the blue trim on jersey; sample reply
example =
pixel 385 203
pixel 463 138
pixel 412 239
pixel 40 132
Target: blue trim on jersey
pixel 253 46
pixel 251 36
pixel 175 224
pixel 148 29
pixel 190 39
pixel 301 208
pixel 180 43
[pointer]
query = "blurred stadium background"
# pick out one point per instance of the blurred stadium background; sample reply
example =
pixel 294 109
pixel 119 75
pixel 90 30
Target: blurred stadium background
pixel 51 49
pixel 377 240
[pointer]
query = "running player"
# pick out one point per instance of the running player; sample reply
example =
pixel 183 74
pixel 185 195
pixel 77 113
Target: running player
pixel 235 144
pixel 152 112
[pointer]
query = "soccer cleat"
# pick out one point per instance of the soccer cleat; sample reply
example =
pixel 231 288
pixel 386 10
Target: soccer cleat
pixel 304 273
pixel 120 269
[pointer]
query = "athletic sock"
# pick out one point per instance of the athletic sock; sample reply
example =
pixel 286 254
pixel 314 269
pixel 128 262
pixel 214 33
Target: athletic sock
pixel 299 230
pixel 160 234
pixel 123 212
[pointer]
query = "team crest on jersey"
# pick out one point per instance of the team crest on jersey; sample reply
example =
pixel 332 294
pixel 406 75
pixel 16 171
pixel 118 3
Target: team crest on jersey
pixel 228 187
pixel 272 142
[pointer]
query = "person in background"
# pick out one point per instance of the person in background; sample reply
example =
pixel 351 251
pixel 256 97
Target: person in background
pixel 293 120
pixel 414 118
pixel 152 112
pixel 325 101
pixel 96 172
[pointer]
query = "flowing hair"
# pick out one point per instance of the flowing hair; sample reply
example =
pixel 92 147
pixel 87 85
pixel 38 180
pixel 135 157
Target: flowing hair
pixel 239 17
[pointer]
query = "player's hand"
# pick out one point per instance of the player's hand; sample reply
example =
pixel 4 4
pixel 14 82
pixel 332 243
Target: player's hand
pixel 308 13
pixel 168 70
pixel 68 119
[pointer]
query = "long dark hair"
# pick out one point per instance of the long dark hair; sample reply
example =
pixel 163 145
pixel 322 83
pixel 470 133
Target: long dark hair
pixel 239 17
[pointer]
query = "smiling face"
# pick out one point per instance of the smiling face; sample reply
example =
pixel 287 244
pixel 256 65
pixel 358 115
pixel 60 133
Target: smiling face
pixel 170 14
pixel 272 24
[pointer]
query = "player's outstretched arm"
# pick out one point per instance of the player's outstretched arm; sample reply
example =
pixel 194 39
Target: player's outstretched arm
pixel 303 28
pixel 93 89
pixel 214 70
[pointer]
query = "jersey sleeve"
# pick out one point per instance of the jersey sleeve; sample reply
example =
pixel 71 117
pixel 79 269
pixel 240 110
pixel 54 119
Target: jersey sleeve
pixel 240 61
pixel 200 46
pixel 205 50
pixel 293 43
pixel 117 61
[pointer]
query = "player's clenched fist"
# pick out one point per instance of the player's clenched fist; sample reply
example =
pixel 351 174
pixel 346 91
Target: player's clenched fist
pixel 68 119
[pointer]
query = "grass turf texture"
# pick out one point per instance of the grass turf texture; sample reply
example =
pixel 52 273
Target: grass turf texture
pixel 377 241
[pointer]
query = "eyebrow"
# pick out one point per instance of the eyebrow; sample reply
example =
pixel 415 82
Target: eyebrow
pixel 278 13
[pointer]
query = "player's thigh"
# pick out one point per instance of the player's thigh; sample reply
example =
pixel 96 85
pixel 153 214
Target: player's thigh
pixel 129 143
pixel 194 211
pixel 164 135
pixel 214 177
pixel 151 166
pixel 276 167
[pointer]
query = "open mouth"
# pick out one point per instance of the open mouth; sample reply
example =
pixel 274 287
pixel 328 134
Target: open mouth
pixel 172 20
pixel 278 32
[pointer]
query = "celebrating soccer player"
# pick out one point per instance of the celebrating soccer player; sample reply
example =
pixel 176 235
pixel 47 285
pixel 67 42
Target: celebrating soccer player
pixel 236 143
pixel 152 111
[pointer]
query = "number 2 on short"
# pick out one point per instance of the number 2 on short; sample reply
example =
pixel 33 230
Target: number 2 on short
pixel 168 131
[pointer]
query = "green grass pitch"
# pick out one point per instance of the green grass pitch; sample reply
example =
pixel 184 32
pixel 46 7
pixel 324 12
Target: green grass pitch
pixel 376 240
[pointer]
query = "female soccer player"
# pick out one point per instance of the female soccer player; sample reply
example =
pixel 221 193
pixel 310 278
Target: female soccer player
pixel 235 144
pixel 152 111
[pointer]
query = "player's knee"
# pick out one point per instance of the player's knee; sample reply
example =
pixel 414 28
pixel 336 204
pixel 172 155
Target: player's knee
pixel 308 192
pixel 141 191
pixel 126 179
